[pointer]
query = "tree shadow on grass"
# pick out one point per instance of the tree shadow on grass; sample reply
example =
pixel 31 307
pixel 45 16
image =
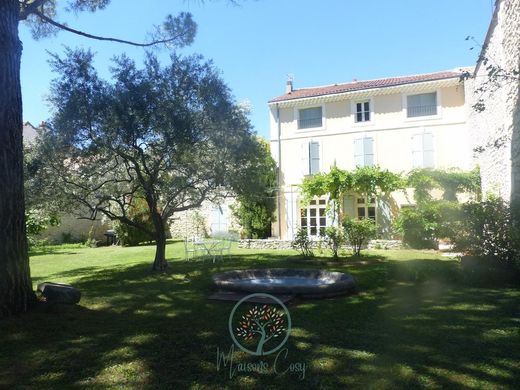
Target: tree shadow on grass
pixel 138 329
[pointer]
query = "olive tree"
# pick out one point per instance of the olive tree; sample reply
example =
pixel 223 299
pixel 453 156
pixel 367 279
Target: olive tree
pixel 16 292
pixel 170 135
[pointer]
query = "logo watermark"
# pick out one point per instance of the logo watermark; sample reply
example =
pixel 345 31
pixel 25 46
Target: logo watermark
pixel 260 329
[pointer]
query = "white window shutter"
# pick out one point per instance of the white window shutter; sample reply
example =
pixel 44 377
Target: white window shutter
pixel 359 159
pixel 428 150
pixel 305 159
pixel 417 151
pixel 368 143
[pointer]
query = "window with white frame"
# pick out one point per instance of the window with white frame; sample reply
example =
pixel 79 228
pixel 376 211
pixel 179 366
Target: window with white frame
pixel 219 219
pixel 364 152
pixel 363 111
pixel 423 104
pixel 313 218
pixel 366 207
pixel 310 117
pixel 422 150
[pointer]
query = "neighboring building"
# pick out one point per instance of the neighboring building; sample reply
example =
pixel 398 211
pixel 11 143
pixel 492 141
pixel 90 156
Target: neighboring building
pixel 29 133
pixel 398 123
pixel 496 128
pixel 71 228
pixel 210 219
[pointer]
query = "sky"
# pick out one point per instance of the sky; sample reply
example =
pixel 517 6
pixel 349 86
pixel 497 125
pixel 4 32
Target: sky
pixel 258 43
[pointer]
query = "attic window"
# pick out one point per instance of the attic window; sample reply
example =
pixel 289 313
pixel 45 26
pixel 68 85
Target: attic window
pixel 310 117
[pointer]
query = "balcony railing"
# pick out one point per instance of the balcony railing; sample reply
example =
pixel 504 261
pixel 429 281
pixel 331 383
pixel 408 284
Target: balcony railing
pixel 308 123
pixel 422 111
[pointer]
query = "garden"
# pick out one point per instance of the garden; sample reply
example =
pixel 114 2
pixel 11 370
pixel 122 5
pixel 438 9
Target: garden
pixel 416 322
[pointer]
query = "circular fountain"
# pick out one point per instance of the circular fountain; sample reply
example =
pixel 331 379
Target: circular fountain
pixel 308 283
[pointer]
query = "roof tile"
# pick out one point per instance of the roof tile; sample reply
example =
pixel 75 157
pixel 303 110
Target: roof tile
pixel 362 85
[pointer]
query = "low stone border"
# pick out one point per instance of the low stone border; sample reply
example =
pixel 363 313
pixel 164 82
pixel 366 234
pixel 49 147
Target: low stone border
pixel 286 244
pixel 295 282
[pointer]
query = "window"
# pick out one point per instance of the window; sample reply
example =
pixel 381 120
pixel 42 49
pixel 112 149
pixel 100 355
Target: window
pixel 364 152
pixel 422 150
pixel 363 111
pixel 366 208
pixel 314 217
pixel 310 117
pixel 424 104
pixel 219 219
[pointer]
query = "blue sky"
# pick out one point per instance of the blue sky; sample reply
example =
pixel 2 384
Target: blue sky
pixel 256 44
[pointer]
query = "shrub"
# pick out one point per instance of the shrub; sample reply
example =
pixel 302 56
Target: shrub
pixel 139 213
pixel 358 232
pixel 334 238
pixel 36 221
pixel 418 226
pixel 487 230
pixel 303 243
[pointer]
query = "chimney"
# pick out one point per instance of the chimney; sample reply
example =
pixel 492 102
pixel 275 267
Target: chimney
pixel 289 84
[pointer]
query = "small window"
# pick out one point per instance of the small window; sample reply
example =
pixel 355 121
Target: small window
pixel 310 117
pixel 363 111
pixel 366 208
pixel 424 104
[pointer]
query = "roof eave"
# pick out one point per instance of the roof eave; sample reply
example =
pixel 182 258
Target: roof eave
pixel 446 81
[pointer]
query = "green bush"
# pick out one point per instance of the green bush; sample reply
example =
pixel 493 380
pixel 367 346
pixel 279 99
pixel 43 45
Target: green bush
pixel 130 235
pixel 36 221
pixel 358 232
pixel 418 226
pixel 487 230
pixel 303 243
pixel 334 238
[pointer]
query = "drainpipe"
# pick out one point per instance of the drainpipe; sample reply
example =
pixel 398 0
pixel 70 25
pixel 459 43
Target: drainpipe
pixel 279 173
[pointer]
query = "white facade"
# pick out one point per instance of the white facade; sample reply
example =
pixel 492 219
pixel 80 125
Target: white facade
pixel 398 126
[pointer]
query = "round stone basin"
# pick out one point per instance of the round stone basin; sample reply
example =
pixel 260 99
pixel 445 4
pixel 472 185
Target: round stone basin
pixel 303 282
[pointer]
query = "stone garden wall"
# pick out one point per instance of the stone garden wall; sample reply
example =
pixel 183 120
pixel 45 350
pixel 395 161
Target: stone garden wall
pixel 286 244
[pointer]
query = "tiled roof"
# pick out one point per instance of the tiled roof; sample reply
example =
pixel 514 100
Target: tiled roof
pixel 362 85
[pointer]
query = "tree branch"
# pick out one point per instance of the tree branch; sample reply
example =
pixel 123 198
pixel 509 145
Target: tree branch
pixel 30 8
pixel 87 35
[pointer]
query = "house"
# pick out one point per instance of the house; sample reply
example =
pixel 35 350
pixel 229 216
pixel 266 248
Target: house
pixel 494 98
pixel 398 123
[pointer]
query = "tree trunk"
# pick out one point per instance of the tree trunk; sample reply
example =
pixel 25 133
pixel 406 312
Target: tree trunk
pixel 16 292
pixel 160 263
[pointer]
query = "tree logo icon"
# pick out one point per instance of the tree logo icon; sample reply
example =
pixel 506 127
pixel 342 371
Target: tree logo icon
pixel 260 328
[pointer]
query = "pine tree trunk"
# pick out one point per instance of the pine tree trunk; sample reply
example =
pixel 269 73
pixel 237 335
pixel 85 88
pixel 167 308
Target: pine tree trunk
pixel 15 281
pixel 160 263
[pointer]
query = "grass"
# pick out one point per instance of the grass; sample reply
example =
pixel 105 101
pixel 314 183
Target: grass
pixel 414 324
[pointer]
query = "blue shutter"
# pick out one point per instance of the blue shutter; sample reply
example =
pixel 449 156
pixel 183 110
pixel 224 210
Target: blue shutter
pixel 314 157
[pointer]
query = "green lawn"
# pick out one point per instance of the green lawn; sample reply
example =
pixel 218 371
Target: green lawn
pixel 414 324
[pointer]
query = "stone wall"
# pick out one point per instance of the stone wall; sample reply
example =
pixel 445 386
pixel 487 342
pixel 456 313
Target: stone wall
pixel 496 129
pixel 75 230
pixel 197 222
pixel 286 244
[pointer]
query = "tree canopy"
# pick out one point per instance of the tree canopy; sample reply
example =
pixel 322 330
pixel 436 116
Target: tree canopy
pixel 170 135
pixel 16 293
